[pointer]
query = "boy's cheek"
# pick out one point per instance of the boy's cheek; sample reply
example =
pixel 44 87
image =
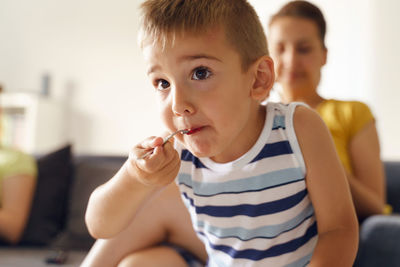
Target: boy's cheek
pixel 167 119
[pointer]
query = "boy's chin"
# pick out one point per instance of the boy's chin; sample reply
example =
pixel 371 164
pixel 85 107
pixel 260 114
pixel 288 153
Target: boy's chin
pixel 199 152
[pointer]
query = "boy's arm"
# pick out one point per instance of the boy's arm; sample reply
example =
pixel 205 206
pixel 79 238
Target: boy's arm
pixel 329 192
pixel 113 205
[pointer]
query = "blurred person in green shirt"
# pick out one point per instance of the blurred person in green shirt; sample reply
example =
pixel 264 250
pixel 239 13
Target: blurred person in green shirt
pixel 18 173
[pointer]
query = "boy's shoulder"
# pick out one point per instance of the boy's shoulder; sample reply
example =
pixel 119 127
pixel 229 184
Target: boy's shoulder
pixel 306 117
pixel 308 126
pixel 288 110
pixel 283 106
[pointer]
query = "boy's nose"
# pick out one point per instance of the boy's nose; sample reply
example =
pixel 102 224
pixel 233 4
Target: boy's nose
pixel 181 104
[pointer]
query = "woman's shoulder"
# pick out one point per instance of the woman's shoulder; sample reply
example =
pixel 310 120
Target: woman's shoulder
pixel 15 161
pixel 344 105
pixel 343 109
pixel 10 153
pixel 349 114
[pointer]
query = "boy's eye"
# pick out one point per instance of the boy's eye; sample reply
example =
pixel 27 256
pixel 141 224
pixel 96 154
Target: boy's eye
pixel 201 73
pixel 162 84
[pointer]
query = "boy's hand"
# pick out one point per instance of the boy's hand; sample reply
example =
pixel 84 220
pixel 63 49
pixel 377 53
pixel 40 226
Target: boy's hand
pixel 157 169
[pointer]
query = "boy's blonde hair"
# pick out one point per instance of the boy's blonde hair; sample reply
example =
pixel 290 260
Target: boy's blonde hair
pixel 162 19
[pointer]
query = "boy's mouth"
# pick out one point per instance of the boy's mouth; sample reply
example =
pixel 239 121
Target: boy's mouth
pixel 193 130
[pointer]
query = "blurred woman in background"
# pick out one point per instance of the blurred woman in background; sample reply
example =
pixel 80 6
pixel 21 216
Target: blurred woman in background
pixel 297 45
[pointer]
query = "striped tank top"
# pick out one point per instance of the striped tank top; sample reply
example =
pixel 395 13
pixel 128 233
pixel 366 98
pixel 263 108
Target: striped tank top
pixel 254 211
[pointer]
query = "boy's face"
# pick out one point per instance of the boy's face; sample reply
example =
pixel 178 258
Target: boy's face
pixel 201 86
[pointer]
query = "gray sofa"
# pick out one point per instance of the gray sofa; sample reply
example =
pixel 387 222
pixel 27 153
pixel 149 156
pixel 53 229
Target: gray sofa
pixel 56 222
pixel 65 183
pixel 380 235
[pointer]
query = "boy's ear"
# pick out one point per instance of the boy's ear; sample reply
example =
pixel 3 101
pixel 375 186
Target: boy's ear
pixel 264 78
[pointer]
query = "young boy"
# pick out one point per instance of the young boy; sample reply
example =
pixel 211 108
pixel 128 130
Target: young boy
pixel 263 184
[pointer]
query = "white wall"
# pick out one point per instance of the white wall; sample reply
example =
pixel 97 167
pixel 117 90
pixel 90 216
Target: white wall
pixel 89 48
pixel 385 74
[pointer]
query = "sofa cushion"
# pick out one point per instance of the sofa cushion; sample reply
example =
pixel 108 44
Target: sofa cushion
pixel 89 173
pixel 49 205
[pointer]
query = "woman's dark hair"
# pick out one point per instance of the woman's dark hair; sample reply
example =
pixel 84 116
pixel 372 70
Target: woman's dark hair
pixel 306 10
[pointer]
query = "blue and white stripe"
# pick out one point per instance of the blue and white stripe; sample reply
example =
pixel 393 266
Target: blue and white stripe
pixel 254 211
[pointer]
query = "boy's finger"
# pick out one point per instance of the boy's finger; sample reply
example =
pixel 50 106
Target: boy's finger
pixel 151 142
pixel 169 149
pixel 171 140
pixel 152 162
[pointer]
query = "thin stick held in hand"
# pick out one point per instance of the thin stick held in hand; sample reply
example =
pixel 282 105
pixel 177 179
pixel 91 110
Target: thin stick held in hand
pixel 165 141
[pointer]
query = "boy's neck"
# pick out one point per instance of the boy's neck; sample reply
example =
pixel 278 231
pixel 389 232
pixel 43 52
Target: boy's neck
pixel 255 125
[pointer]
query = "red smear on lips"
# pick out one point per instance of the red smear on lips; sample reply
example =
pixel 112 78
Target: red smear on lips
pixel 192 131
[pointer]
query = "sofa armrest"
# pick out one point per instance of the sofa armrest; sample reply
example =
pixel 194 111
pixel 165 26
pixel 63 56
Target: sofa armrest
pixel 392 170
pixel 379 237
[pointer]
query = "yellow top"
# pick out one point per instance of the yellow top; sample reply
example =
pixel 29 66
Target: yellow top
pixel 344 120
pixel 14 162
